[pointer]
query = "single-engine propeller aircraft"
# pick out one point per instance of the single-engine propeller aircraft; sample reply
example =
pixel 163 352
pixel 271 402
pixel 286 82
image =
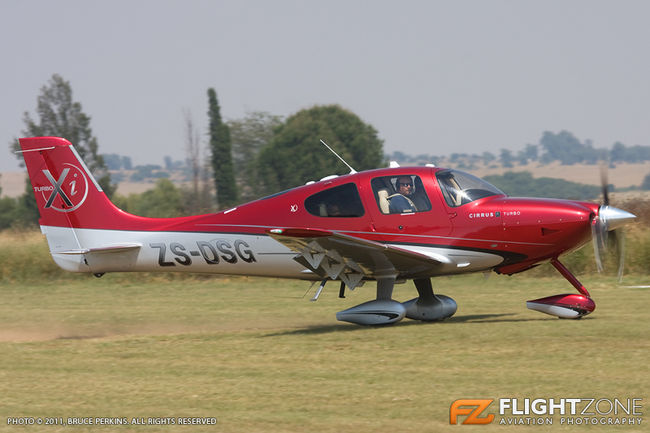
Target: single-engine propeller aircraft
pixel 388 225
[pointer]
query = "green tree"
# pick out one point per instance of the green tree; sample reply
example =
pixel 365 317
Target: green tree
pixel 506 158
pixel 113 161
pixel 162 201
pixel 618 152
pixel 567 149
pixel 632 154
pixel 529 153
pixel 249 135
pixel 295 155
pixel 8 212
pixel 224 177
pixel 58 115
pixel 488 158
pixel 646 183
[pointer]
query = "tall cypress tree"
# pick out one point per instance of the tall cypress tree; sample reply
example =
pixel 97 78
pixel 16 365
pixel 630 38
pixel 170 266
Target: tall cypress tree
pixel 221 148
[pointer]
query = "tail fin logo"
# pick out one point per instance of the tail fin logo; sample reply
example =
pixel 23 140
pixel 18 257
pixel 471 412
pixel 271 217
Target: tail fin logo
pixel 68 192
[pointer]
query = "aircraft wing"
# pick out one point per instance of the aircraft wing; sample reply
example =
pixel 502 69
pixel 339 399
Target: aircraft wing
pixel 350 258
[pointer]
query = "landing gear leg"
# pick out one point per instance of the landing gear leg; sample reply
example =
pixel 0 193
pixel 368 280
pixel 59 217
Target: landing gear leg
pixel 385 288
pixel 567 306
pixel 381 311
pixel 570 277
pixel 427 306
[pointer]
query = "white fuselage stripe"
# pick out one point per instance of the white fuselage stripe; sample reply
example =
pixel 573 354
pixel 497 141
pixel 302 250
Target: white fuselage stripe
pixel 218 253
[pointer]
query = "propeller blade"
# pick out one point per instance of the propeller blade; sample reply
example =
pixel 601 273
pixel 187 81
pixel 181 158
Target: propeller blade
pixel 603 230
pixel 596 237
pixel 609 219
pixel 620 249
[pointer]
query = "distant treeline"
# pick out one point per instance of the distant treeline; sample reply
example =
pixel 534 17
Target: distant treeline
pixel 562 146
pixel 122 169
pixel 523 184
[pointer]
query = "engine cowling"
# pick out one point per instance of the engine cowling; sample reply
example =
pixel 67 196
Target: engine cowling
pixel 567 306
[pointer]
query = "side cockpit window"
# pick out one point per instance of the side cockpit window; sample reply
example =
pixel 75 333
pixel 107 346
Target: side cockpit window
pixel 339 202
pixel 400 194
pixel 459 188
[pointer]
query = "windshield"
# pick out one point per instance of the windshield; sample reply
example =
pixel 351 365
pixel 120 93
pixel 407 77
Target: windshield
pixel 460 188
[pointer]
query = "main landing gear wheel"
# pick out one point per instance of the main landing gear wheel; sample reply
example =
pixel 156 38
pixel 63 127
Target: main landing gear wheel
pixel 427 306
pixel 384 310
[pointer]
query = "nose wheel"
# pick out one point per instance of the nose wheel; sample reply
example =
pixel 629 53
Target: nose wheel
pixel 566 306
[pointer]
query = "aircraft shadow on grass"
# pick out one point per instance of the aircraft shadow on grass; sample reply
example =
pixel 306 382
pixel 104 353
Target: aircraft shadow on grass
pixel 470 318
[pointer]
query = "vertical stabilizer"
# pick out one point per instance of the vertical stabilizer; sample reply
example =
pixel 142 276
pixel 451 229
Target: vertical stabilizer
pixel 69 199
pixel 67 195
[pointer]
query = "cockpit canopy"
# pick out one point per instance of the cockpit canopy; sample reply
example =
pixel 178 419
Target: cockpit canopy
pixel 459 188
pixel 403 193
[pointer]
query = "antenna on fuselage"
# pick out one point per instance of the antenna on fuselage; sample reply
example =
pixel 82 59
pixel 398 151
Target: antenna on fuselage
pixel 352 170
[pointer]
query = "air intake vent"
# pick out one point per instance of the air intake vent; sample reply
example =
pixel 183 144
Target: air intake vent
pixel 546 232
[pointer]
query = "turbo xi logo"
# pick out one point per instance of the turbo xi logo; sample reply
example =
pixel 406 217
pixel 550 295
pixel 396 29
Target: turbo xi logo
pixel 66 193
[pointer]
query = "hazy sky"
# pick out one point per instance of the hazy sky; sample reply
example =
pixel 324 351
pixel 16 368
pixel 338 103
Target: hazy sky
pixel 431 76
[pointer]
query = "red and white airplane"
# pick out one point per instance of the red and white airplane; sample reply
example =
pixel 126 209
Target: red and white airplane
pixel 388 225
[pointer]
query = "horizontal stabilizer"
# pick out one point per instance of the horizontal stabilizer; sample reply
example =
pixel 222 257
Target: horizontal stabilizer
pixel 117 248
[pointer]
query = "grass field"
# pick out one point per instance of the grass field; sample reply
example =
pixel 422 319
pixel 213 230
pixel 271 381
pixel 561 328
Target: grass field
pixel 258 357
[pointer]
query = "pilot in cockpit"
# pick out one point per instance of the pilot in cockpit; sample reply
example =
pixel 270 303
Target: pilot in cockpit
pixel 402 202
